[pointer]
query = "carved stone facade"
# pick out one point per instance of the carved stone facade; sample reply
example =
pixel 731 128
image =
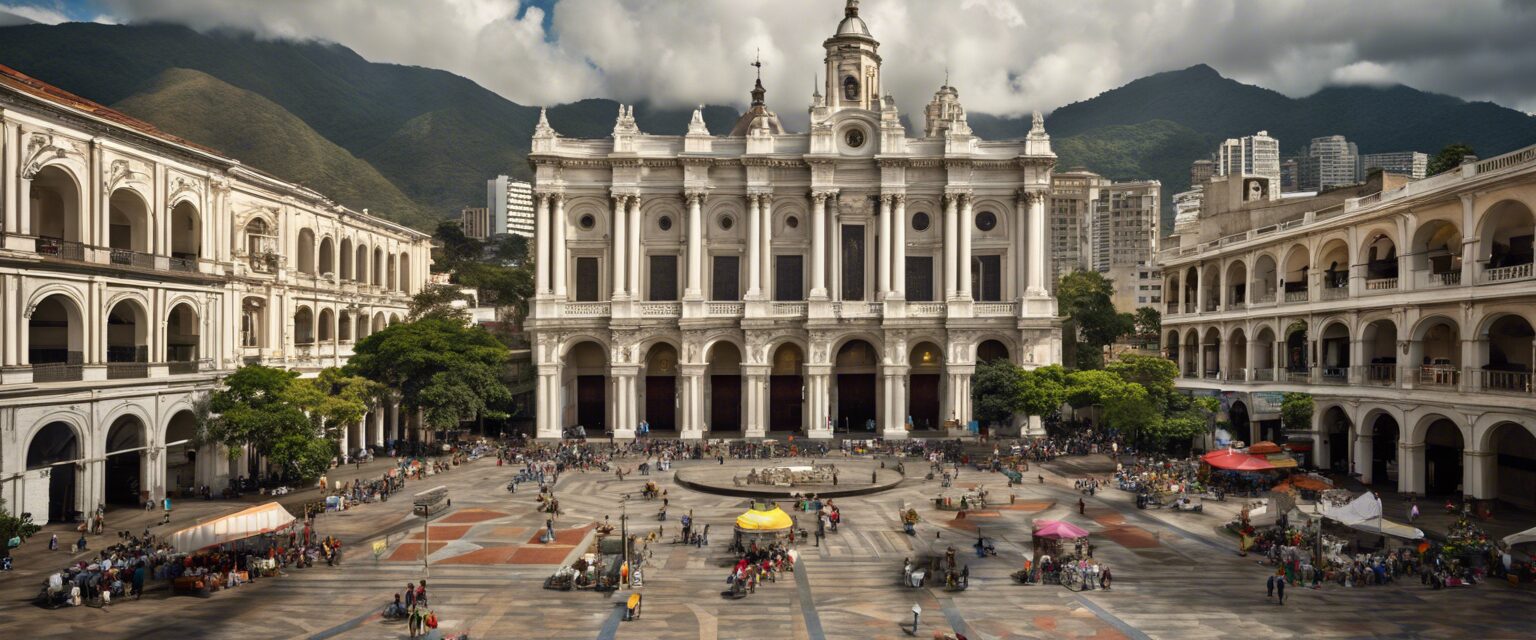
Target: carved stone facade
pixel 842 279
pixel 136 270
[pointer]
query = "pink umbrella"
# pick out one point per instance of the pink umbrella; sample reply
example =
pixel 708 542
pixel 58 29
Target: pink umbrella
pixel 1058 530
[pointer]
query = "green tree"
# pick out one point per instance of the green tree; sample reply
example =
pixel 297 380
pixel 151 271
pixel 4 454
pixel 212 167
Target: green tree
pixel 1149 325
pixel 1085 298
pixel 256 407
pixel 15 526
pixel 438 300
pixel 1155 374
pixel 450 371
pixel 996 388
pixel 1449 158
pixel 1044 390
pixel 1296 412
pixel 1176 432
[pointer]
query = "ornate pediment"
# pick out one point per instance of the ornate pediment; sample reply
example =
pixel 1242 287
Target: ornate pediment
pixel 43 147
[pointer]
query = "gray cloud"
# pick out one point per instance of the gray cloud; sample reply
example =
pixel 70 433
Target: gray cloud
pixel 1007 57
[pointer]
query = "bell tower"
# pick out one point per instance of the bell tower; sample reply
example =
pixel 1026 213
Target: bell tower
pixel 853 64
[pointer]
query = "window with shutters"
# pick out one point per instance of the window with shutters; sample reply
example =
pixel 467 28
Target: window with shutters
pixel 727 278
pixel 663 278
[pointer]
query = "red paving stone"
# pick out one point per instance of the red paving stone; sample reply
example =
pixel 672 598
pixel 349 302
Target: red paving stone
pixel 1108 518
pixel 501 533
pixel 1045 623
pixel 488 555
pixel 541 554
pixel 411 552
pixel 1131 537
pixel 444 532
pixel 570 537
pixel 472 516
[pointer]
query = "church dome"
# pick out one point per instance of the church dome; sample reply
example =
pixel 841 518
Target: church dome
pixel 852 24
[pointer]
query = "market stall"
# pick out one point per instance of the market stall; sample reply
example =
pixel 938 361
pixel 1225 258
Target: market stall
pixel 1059 554
pixel 764 523
pixel 257 520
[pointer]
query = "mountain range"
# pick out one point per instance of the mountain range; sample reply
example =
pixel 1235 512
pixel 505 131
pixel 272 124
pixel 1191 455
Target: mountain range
pixel 417 144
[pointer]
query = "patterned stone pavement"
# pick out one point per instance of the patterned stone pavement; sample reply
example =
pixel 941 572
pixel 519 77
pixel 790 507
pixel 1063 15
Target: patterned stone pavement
pixel 1176 577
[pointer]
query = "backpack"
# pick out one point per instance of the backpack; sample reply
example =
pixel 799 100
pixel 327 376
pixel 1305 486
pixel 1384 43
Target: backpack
pixel 431 620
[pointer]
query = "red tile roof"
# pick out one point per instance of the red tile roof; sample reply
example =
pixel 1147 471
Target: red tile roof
pixel 23 83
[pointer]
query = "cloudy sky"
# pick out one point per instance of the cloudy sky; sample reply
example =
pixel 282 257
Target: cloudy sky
pixel 1006 56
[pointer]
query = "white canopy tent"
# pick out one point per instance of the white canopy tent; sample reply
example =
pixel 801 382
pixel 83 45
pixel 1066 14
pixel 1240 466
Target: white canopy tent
pixel 1529 535
pixel 1364 514
pixel 235 526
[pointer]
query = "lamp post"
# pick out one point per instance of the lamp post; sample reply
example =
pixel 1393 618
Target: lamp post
pixel 425 504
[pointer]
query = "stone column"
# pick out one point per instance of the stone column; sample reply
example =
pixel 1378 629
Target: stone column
pixel 755 379
pixel 1021 241
pixel 1410 467
pixel 754 247
pixel 884 268
pixel 542 240
pixel 695 289
pixel 967 224
pixel 1037 243
pixel 623 403
pixel 344 441
pixel 951 244
pixel 560 256
pixel 894 418
pixel 620 246
pixel 766 253
pixel 899 248
pixel 547 425
pixel 693 425
pixel 636 228
pixel 819 245
pixel 1479 471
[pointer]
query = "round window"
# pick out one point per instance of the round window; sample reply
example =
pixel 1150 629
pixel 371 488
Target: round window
pixel 854 138
pixel 665 223
pixel 986 221
pixel 920 221
pixel 587 221
pixel 792 222
pixel 726 222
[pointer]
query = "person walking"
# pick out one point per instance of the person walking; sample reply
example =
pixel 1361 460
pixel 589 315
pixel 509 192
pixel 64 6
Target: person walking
pixel 1269 587
pixel 1413 511
pixel 167 518
pixel 1082 508
pixel 1105 578
pixel 1280 590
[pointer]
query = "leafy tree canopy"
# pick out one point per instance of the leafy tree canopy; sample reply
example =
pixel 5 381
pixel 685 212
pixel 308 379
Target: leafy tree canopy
pixel 1148 322
pixel 441 366
pixel 996 389
pixel 1449 158
pixel 1086 299
pixel 1044 390
pixel 1153 373
pixel 265 408
pixel 1296 411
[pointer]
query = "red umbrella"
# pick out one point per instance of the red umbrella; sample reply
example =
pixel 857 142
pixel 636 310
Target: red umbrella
pixel 1236 461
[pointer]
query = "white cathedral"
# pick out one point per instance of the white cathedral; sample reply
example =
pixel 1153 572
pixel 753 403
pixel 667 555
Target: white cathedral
pixel 767 283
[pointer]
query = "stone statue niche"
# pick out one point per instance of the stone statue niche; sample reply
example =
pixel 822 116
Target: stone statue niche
pixel 820 474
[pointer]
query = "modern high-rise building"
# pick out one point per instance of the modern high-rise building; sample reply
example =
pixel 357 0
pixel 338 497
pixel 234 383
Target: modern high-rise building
pixel 1256 155
pixel 1330 162
pixel 1124 238
pixel 1413 164
pixel 1073 194
pixel 475 222
pixel 511 206
pixel 1289 180
pixel 1200 172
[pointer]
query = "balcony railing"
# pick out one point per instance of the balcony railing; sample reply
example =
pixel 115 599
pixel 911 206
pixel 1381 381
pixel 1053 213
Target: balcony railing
pixel 1381 374
pixel 181 367
pixel 56 372
pixel 183 264
pixel 926 309
pixel 130 258
pixel 1296 296
pixel 1293 375
pixel 661 309
pixel 61 249
pixel 1263 298
pixel 1213 375
pixel 1189 307
pixel 1335 375
pixel 1238 375
pixel 1173 308
pixel 1506 274
pixel 793 309
pixel 1264 375
pixel 1439 375
pixel 1506 381
pixel 121 370
pixel 996 309
pixel 1443 279
pixel 725 309
pixel 1335 293
pixel 586 309
pixel 1210 305
pixel 1380 284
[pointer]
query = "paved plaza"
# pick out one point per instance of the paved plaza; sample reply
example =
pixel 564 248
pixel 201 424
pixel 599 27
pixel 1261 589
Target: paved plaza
pixel 1175 575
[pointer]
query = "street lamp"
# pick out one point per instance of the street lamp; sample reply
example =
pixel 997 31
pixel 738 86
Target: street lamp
pixel 425 504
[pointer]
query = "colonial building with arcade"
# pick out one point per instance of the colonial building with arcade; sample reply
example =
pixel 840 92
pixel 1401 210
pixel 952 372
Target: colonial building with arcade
pixel 765 282
pixel 136 270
